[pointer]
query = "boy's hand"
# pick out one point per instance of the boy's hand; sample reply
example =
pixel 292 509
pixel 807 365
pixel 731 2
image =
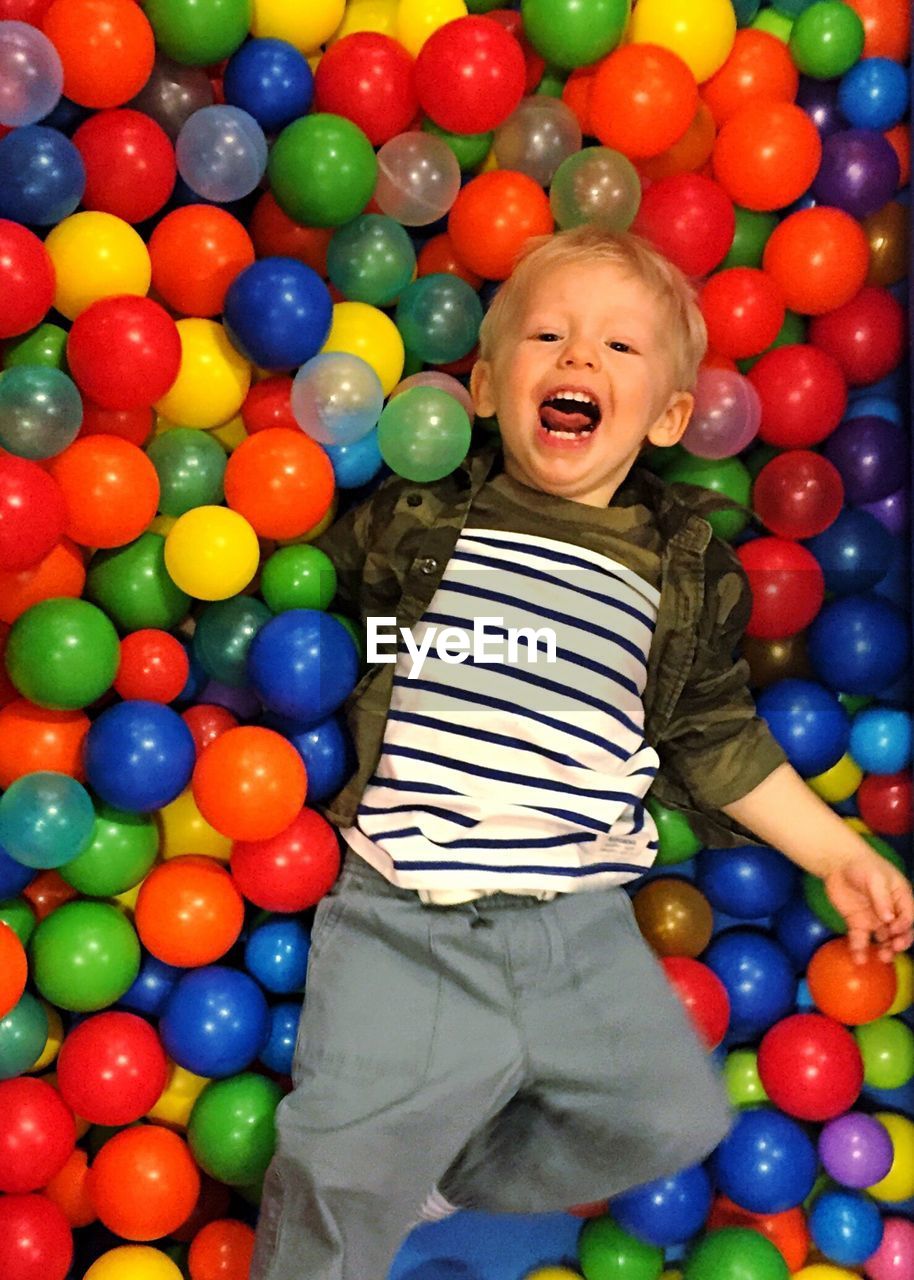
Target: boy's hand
pixel 876 900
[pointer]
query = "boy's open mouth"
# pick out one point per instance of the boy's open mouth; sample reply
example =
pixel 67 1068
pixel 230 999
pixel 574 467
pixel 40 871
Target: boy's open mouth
pixel 570 414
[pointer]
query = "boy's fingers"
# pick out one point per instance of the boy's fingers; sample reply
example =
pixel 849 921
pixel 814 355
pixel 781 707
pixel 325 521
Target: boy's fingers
pixel 858 941
pixel 881 899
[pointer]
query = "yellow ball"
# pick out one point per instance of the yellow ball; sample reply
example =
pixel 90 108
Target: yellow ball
pixel 231 434
pixel 368 15
pixel 366 331
pixel 418 19
pixel 212 381
pixel 553 1273
pixel 96 255
pixel 824 1271
pixel 183 829
pixel 127 900
pixel 839 782
pixel 701 32
pixel 133 1262
pixel 898 1183
pixel 211 553
pixel 904 972
pixel 54 1040
pixel 306 25
pixel 177 1099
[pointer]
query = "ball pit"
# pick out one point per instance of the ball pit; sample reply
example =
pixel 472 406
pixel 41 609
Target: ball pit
pixel 245 250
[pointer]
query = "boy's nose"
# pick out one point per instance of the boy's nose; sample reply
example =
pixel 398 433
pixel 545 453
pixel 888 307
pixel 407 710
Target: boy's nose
pixel 580 354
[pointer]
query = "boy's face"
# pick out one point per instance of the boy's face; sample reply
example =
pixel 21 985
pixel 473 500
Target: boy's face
pixel 579 382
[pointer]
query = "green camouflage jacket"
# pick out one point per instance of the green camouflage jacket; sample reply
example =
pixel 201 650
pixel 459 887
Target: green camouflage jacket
pixel 390 553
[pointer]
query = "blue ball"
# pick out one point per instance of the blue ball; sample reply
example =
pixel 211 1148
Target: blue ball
pixel 276 955
pixel 873 94
pixel 881 739
pixel 151 987
pixel 42 176
pixel 14 876
pixel 139 756
pixel 800 932
pixel 766 1164
pixel 279 1050
pixel 271 80
pixel 216 1022
pixel 326 750
pixel 896 585
pixel 846 1226
pixel 357 463
pixel 748 882
pixel 278 313
pixel 809 723
pixel 303 664
pixel 666 1211
pixel 854 552
pixel 859 644
pixel 868 405
pixel 759 978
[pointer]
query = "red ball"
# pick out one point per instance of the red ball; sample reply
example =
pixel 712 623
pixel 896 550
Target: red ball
pixel 207 722
pixel 269 404
pixel 154 666
pixel 743 309
pixel 703 994
pixel 124 352
pixel 130 164
pixel 33 513
pixel 26 279
pixel 866 336
pixel 36 1242
pixel 293 870
pixel 810 1066
pixel 803 395
pixel 788 587
pixel 112 1068
pixel 470 75
pixel 884 800
pixel 37 1134
pixel 798 494
pixel 368 78
pixel 513 22
pixel 133 425
pixel 690 219
pixel 767 154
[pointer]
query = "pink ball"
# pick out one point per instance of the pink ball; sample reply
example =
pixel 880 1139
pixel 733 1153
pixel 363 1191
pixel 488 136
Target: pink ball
pixel 894 1259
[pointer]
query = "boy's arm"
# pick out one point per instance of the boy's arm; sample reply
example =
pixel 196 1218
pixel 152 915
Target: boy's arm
pixel 870 893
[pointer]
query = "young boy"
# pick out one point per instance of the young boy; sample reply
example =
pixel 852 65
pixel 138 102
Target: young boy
pixel 484 1025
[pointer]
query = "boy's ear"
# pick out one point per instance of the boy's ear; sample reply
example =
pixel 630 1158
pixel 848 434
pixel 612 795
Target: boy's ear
pixel 481 389
pixel 669 427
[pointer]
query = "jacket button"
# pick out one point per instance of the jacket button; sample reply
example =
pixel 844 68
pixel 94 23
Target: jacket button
pixel 428 565
pixel 414 499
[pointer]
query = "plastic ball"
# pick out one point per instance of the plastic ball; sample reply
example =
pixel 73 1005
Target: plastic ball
pixel 250 782
pixel 36 1242
pixel 809 723
pixel 537 138
pixel 134 1262
pixel 290 668
pixel 827 39
pixel 32 513
pixel 758 66
pixel 96 255
pixel 23 1035
pixel 855 554
pixel 810 1067
pixel 787 585
pixel 766 1164
pixel 371 259
pixel 881 739
pixel 803 395
pixel 13 970
pixel 278 1052
pixel 292 870
pixel 46 819
pixel 211 553
pixel 690 219
pixel 873 94
pixel 701 35
pixel 439 317
pixel 111 1068
pixel 747 883
pixel 595 185
pixel 215 1022
pixel 280 481
pixel 743 309
pixel 423 434
pixel 868 452
pixel 221 153
pixel 221 1250
pixel 758 976
pixel 40 412
pixel 703 995
pixel 121 850
pixel 129 163
pixel 337 398
pixel 666 1211
pixel 213 378
pixel 859 172
pixel 859 644
pixel 418 179
pixel 196 252
pixel 848 990
pixel 855 1150
pixel 887 1046
pixel 470 75
pixel 223 637
pixel 110 487
pixel 277 312
pixel 322 170
pixel 276 954
pixel 492 218
pixel 846 1226
pixel 895 1255
pixel 139 755
pixel 42 175
pixel 798 494
pixel 85 955
pixel 604 1242
pixel 819 257
pixel 732 1252
pixel 189 912
pixel 767 155
pixel 642 100
pixel 124 352
pixel 26 279
pixel 674 917
pixel 144 1182
pixel 31 74
pixel 271 81
pixel 232 1130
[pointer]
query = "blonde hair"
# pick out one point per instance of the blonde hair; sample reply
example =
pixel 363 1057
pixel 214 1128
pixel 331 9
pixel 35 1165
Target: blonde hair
pixel 637 257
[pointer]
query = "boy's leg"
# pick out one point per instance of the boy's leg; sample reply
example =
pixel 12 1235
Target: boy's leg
pixel 619 1089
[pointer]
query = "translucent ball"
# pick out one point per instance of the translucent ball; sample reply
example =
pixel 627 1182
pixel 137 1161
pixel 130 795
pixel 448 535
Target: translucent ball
pixel 439 316
pixel 726 415
pixel 423 434
pixel 31 74
pixel 172 94
pixel 41 411
pixel 418 179
pixel 337 398
pixel 221 153
pixel 596 185
pixel 443 381
pixel 537 137
pixel 371 259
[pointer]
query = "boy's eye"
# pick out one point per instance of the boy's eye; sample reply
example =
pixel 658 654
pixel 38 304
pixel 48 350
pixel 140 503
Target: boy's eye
pixel 620 346
pixel 547 336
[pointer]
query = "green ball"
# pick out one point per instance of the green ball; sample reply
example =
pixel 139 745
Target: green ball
pixel 134 588
pixel 354 631
pixel 23 1035
pixel 322 170
pixel 62 654
pixel 470 149
pixel 552 83
pixel 773 24
pixel 854 702
pixel 574 33
pixel 46 345
pixel 199 32
pixel 742 1080
pixel 299 577
pixel 677 840
pixel 749 238
pixel 17 915
pixel 826 40
pixel 371 259
pixel 735 1253
pixel 483 6
pixel 606 1252
pixel 122 850
pixel 887 1049
pixel 191 468
pixel 423 434
pixel 792 331
pixel 224 634
pixel 817 899
pixel 759 456
pixel 727 477
pixel 439 316
pixel 231 1131
pixel 85 955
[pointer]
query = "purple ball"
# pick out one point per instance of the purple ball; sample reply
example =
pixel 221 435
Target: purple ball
pixel 819 99
pixel 859 172
pixel 894 511
pixel 856 1150
pixel 870 453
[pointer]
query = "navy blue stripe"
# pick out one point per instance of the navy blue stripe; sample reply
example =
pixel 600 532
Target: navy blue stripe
pixel 545 842
pixel 568 872
pixel 546 553
pixel 462 819
pixel 484 735
pixel 404 784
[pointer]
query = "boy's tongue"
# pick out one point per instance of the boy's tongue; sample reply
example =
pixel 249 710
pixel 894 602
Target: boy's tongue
pixel 560 420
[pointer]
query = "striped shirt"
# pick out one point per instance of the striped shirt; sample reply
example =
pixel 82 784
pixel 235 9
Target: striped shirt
pixel 522 770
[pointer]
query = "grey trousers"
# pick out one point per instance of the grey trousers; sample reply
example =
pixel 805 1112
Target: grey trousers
pixel 521 1056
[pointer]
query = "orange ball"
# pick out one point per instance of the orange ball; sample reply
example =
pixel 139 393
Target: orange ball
pixel 819 257
pixel 47 892
pixel 281 481
pixel 759 67
pixel 60 573
pixel 643 99
pixel 899 139
pixel 196 252
pixel 576 95
pixel 437 256
pixel 847 991
pixel 110 487
pixel 689 154
pixel 277 235
pixel 144 1182
pixel 106 46
pixel 886 28
pixel 493 217
pixel 250 783
pixel 69 1190
pixel 766 155
pixel 34 738
pixel 188 912
pixel 222 1250
pixel 14 969
pixel 787 1231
